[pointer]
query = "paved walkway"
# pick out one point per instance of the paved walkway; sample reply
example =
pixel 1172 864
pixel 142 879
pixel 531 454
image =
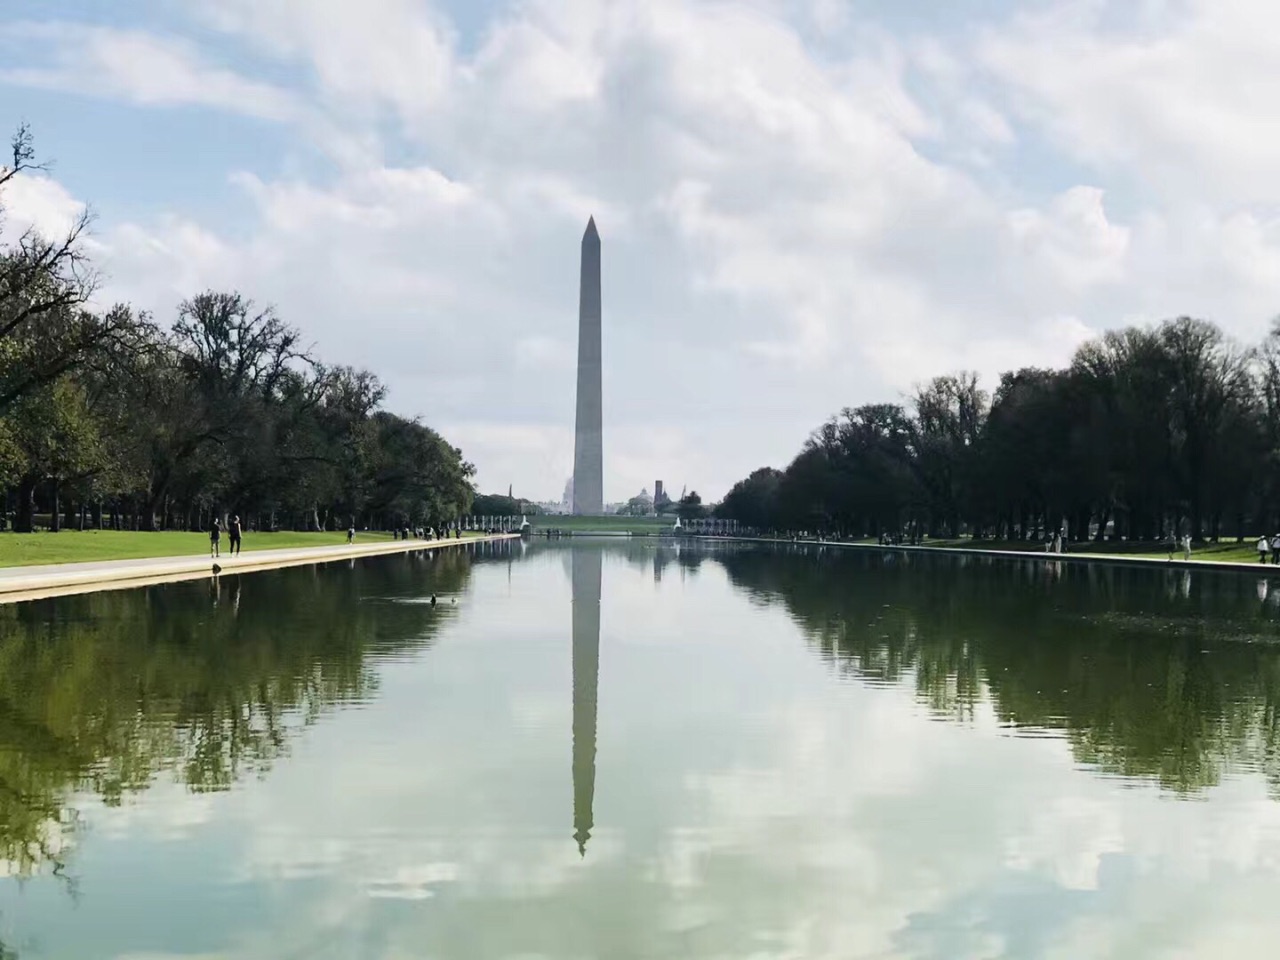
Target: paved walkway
pixel 26 583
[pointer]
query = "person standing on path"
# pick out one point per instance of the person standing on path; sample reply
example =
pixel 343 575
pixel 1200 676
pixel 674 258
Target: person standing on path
pixel 215 537
pixel 1263 546
pixel 234 531
pixel 351 534
pixel 1186 546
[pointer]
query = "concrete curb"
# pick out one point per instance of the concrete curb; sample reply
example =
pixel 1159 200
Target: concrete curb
pixel 29 583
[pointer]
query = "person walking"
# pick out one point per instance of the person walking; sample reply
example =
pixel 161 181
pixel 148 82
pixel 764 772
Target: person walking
pixel 351 533
pixel 215 537
pixel 1275 548
pixel 1186 546
pixel 234 533
pixel 1263 547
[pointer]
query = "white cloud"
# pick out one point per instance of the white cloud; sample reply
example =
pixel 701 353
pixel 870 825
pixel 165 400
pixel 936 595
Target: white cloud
pixel 138 66
pixel 382 52
pixel 1176 97
pixel 987 122
pixel 1073 240
pixel 37 203
pixel 1067 839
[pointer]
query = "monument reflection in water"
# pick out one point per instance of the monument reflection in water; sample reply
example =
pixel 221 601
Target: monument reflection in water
pixel 585 568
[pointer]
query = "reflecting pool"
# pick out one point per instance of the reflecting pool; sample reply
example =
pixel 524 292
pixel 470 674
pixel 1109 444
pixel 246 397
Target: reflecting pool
pixel 626 749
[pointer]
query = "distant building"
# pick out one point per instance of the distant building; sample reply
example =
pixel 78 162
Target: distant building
pixel 658 493
pixel 641 505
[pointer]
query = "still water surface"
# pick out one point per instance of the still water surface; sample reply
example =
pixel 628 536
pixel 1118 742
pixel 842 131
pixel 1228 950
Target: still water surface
pixel 615 750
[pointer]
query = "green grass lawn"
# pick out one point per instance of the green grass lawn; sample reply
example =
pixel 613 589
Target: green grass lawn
pixel 74 546
pixel 601 524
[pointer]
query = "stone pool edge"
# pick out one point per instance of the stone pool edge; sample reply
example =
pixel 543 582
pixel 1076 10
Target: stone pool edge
pixel 1110 558
pixel 60 579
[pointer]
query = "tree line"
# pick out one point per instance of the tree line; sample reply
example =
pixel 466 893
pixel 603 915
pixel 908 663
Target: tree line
pixel 110 419
pixel 1150 432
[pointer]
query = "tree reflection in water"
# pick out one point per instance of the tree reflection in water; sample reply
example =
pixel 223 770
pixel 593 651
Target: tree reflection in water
pixel 203 681
pixel 1149 673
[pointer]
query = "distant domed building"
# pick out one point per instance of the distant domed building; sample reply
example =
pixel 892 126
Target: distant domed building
pixel 641 505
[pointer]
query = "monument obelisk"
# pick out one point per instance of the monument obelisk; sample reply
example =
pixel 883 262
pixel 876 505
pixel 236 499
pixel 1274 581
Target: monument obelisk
pixel 588 452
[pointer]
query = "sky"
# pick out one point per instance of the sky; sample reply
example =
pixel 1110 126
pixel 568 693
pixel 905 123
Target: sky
pixel 804 204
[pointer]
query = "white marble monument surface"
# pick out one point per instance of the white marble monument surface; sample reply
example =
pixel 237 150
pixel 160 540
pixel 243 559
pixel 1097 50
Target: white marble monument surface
pixel 588 447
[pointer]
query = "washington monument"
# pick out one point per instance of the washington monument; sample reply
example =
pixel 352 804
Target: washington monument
pixel 588 452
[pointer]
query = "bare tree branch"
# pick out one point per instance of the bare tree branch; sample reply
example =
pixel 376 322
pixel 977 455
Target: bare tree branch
pixel 23 155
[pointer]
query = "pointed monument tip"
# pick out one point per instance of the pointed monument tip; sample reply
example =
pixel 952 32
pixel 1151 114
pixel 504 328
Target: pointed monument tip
pixel 591 227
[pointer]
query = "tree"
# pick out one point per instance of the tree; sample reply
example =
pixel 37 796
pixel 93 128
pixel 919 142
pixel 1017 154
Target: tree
pixel 417 476
pixel 225 370
pixel 1031 466
pixel 57 440
pixel 950 413
pixel 496 505
pixel 871 482
pixel 1208 388
pixel 753 501
pixel 691 506
pixel 45 328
